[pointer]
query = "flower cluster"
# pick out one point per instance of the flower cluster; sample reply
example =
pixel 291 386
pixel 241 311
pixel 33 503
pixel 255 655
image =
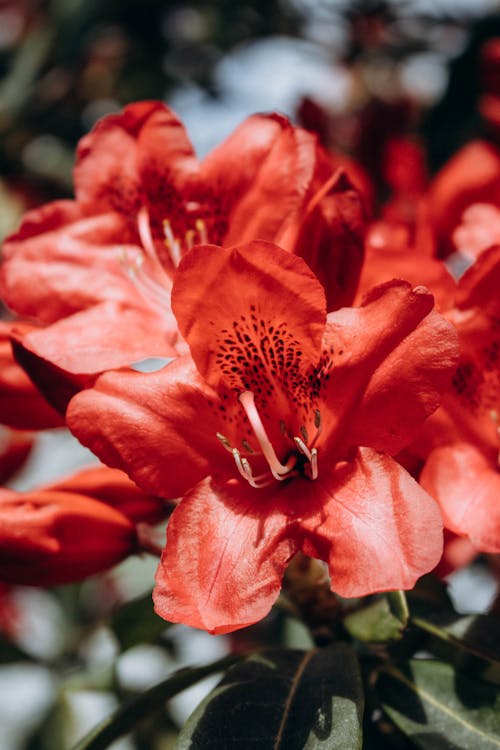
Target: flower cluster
pixel 331 388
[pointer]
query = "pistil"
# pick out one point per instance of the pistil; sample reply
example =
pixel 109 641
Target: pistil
pixel 278 470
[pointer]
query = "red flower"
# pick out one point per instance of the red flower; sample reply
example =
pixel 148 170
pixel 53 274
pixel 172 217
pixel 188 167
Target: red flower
pixel 462 470
pixel 277 430
pixel 98 269
pixel 73 529
pixel 471 176
pixel 479 230
pixel 391 251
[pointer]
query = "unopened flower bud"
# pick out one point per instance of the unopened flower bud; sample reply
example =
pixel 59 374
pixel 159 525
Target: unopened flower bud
pixel 51 537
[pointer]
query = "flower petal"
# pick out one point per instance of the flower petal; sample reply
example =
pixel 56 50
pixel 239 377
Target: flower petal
pixel 62 261
pixel 15 448
pixel 373 523
pixel 466 483
pixel 106 336
pixel 389 255
pixel 114 488
pixel 472 175
pixel 331 241
pixel 49 538
pixel 21 405
pixel 226 552
pixel 133 158
pixel 275 166
pixel 250 314
pixel 159 427
pixel 393 359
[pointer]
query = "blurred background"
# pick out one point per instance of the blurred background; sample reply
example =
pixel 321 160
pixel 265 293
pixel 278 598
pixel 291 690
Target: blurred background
pixel 355 73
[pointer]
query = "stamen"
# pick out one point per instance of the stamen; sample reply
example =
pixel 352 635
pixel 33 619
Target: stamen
pixel 314 463
pixel 246 472
pixel 155 295
pixel 318 425
pixel 303 432
pixel 202 231
pixel 303 448
pixel 225 442
pixel 278 470
pixel 317 419
pixel 189 238
pixel 144 229
pixel 172 243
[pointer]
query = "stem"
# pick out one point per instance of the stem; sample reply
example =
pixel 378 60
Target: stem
pixel 131 713
pixel 307 587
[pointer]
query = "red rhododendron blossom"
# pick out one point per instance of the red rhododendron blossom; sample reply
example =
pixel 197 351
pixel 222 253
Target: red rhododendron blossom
pixel 479 230
pixel 99 269
pixel 390 251
pixel 277 431
pixel 462 471
pixel 73 529
pixel 471 176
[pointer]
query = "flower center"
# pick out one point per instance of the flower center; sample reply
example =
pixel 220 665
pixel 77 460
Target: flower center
pixel 302 456
pixel 145 268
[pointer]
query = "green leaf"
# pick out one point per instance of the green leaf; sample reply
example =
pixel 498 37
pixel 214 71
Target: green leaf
pixel 439 708
pixel 470 642
pixel 131 713
pixel 377 622
pixel 137 622
pixel 282 700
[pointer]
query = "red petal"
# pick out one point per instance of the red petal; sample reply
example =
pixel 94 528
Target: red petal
pixel 473 404
pixel 331 241
pixel 114 488
pixel 373 523
pixel 106 336
pixel 472 175
pixel 62 261
pixel 479 285
pixel 458 552
pixel 48 538
pixel 57 386
pixel 158 427
pixel 226 552
pixel 388 255
pixel 140 156
pixel 275 166
pixel 21 405
pixel 392 362
pixel 236 307
pixel 15 448
pixel 466 484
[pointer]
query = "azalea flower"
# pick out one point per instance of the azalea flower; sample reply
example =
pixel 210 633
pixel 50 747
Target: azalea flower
pixel 277 432
pixel 392 250
pixel 471 176
pixel 96 272
pixel 462 469
pixel 479 230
